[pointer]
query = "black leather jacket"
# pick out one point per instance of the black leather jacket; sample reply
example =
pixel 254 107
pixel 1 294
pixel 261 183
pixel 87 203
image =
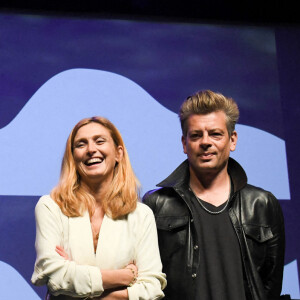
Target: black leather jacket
pixel 257 220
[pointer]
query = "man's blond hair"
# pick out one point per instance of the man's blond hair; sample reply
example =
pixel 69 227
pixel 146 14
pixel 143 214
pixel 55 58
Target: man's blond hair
pixel 205 102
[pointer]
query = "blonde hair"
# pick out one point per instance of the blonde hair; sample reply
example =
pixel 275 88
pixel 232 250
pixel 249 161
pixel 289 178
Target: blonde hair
pixel 123 193
pixel 205 102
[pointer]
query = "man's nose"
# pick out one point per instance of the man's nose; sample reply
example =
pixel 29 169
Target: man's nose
pixel 205 141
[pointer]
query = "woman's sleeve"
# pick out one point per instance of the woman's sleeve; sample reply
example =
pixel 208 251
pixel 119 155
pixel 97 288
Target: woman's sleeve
pixel 61 276
pixel 151 281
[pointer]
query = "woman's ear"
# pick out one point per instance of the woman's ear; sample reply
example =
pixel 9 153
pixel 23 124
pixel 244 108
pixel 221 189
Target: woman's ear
pixel 119 153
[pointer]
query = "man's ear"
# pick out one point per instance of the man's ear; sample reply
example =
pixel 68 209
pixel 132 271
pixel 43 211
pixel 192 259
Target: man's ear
pixel 183 141
pixel 233 140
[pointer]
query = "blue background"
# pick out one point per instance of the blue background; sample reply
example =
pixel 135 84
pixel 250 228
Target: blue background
pixel 257 66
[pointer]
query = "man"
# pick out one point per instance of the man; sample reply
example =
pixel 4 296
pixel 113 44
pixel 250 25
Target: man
pixel 219 237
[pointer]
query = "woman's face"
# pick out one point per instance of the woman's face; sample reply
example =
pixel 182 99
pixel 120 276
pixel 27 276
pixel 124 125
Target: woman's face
pixel 95 153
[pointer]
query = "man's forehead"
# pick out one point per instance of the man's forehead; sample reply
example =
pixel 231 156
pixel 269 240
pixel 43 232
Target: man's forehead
pixel 218 118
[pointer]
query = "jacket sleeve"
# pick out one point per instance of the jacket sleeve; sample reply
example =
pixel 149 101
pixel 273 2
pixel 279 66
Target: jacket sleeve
pixel 272 270
pixel 61 276
pixel 151 281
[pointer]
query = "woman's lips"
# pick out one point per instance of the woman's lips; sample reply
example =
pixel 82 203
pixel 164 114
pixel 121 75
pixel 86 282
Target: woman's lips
pixel 94 160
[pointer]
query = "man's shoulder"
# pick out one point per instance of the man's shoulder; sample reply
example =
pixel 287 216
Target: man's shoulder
pixel 159 195
pixel 260 204
pixel 250 192
pixel 164 200
pixel 260 213
pixel 162 191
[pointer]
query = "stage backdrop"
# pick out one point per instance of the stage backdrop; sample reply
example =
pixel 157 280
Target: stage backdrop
pixel 55 71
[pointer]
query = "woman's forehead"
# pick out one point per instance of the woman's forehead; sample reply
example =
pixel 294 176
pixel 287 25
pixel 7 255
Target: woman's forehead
pixel 92 129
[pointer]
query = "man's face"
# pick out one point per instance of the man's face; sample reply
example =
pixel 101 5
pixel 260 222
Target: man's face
pixel 207 143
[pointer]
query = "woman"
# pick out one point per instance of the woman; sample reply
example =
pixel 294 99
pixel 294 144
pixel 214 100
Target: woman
pixel 93 239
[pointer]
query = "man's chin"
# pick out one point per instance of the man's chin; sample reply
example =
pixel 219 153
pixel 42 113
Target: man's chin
pixel 209 164
pixel 204 167
pixel 210 167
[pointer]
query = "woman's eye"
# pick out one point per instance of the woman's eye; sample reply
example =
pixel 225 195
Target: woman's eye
pixel 79 145
pixel 100 141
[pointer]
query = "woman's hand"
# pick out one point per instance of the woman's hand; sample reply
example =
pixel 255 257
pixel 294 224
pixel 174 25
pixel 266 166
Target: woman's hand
pixel 112 278
pixel 114 295
pixel 121 277
pixel 61 251
pixel 134 270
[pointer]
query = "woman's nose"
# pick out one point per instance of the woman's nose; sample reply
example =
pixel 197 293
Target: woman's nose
pixel 91 148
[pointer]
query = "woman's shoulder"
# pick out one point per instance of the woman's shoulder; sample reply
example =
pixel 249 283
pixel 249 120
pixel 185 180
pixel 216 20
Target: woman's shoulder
pixel 46 202
pixel 143 207
pixel 141 220
pixel 142 210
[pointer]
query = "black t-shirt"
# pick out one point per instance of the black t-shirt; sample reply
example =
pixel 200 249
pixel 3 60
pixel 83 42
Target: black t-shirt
pixel 220 273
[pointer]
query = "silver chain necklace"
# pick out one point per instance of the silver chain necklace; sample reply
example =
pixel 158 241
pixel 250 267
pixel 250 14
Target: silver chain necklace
pixel 209 211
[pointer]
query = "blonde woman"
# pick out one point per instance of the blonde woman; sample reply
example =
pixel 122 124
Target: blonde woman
pixel 93 238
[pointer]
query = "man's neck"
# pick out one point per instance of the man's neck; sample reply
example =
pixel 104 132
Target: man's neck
pixel 211 187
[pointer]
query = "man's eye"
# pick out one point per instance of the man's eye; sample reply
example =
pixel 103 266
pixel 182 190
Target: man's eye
pixel 194 136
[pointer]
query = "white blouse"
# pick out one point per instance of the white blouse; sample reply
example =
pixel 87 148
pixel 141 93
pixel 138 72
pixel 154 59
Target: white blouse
pixel 120 242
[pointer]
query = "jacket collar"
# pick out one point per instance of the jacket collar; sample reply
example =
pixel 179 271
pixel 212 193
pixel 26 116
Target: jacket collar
pixel 180 176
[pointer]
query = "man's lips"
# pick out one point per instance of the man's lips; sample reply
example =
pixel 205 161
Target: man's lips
pixel 206 155
pixel 92 161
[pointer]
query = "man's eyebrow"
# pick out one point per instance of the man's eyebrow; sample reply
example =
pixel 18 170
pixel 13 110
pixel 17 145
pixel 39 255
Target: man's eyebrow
pixel 216 129
pixel 195 131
